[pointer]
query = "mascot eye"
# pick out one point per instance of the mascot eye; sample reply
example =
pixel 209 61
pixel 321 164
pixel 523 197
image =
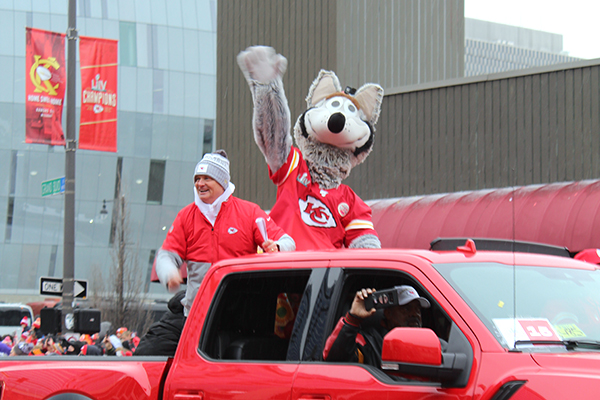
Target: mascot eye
pixel 335 104
pixel 351 108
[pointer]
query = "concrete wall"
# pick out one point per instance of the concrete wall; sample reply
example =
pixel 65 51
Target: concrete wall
pixel 518 128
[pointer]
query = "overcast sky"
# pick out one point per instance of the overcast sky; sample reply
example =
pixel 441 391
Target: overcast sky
pixel 577 20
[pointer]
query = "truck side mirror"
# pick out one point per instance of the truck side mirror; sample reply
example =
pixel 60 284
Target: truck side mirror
pixel 418 352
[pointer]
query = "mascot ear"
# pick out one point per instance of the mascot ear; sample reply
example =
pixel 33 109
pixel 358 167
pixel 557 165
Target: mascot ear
pixel 325 84
pixel 370 97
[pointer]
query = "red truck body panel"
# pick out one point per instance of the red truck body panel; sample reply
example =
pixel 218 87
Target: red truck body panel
pixel 191 374
pixel 96 377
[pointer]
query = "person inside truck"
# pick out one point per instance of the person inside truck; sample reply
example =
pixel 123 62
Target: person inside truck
pixel 353 340
pixel 214 227
pixel 162 337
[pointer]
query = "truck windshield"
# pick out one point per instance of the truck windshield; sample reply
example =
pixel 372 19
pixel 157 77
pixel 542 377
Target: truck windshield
pixel 528 306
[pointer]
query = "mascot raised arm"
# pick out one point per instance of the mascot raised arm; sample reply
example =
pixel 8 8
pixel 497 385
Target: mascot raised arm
pixel 333 135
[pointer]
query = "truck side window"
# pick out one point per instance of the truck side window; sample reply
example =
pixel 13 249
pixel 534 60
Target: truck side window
pixel 433 318
pixel 252 316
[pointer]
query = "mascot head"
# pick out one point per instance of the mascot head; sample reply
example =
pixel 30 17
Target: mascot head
pixel 337 130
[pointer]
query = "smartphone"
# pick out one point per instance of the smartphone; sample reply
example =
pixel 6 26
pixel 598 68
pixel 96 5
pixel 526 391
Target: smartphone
pixel 382 299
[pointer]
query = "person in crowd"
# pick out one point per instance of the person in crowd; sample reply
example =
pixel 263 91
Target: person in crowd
pixel 90 349
pixel 349 342
pixel 4 349
pixel 135 340
pixel 7 340
pixel 214 227
pixel 35 334
pixel 163 336
pixel 105 328
pixel 52 346
pixel 112 346
pixel 25 325
pixel 120 332
pixel 107 346
pixel 127 340
pixel 86 338
pixel 73 347
pixel 21 349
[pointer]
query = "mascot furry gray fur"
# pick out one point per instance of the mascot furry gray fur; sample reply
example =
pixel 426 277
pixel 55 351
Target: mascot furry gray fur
pixel 333 135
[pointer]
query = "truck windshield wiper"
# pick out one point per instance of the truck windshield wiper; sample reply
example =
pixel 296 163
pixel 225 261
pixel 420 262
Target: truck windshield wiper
pixel 569 344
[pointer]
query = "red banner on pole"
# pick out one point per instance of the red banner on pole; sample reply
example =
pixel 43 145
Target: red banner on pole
pixel 98 124
pixel 45 71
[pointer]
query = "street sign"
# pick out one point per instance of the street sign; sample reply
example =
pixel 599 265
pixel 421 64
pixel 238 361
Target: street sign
pixel 54 287
pixel 53 186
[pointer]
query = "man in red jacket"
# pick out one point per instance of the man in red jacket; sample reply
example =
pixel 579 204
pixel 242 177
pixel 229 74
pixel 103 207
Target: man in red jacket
pixel 214 227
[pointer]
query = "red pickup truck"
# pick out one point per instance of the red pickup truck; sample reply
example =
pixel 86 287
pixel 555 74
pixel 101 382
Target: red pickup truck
pixel 518 326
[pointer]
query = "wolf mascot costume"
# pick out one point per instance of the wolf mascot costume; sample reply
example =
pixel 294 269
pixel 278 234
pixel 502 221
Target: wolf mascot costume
pixel 333 135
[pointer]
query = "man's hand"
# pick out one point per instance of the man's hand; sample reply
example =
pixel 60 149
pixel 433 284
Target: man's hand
pixel 270 246
pixel 358 305
pixel 174 282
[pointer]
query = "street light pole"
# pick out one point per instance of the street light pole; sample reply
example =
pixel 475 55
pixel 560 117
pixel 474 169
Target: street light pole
pixel 70 147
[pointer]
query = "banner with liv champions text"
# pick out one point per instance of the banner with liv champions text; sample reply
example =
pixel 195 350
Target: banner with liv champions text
pixel 98 124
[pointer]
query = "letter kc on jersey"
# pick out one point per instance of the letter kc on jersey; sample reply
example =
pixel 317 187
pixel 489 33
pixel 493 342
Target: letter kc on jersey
pixel 315 213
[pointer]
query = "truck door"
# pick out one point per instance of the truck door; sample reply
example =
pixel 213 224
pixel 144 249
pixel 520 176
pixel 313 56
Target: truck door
pixel 322 379
pixel 244 342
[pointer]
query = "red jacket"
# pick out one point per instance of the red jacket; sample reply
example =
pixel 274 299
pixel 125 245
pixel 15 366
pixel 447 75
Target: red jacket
pixel 235 232
pixel 199 244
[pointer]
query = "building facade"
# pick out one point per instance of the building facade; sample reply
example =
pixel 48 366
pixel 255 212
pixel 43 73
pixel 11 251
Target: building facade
pixel 444 134
pixel 166 114
pixel 390 42
pixel 492 48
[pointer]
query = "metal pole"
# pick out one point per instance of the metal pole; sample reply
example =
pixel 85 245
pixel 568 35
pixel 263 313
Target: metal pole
pixel 70 146
pixel 121 262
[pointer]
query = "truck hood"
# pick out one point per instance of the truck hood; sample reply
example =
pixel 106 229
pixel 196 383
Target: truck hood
pixel 572 375
pixel 574 360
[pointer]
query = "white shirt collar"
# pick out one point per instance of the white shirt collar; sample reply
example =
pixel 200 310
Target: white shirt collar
pixel 211 211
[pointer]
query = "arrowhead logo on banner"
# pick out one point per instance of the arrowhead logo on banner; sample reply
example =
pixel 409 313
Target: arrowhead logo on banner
pixel 40 73
pixel 44 87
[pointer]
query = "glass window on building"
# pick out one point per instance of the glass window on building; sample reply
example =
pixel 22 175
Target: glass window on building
pixel 158 91
pixel 156 181
pixel 11 196
pixel 149 270
pixel 127 44
pixel 9 219
pixel 208 136
pixel 85 8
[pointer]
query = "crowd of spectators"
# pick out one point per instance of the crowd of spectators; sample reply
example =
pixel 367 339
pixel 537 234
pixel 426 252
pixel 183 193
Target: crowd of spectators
pixel 30 340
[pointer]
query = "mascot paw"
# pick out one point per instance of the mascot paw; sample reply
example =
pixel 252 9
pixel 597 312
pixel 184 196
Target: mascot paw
pixel 365 242
pixel 262 64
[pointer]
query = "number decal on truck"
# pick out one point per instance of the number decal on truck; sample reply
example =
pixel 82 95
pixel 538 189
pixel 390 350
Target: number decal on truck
pixel 515 329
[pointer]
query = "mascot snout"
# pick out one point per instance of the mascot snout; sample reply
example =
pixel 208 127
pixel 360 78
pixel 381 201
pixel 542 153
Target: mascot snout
pixel 336 122
pixel 340 128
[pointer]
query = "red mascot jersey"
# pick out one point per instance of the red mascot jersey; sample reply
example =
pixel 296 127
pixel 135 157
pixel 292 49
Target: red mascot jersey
pixel 316 218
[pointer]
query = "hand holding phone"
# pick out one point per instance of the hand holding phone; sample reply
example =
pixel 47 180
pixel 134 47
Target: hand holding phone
pixel 382 299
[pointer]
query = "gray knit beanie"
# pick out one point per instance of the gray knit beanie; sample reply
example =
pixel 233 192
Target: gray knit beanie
pixel 215 165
